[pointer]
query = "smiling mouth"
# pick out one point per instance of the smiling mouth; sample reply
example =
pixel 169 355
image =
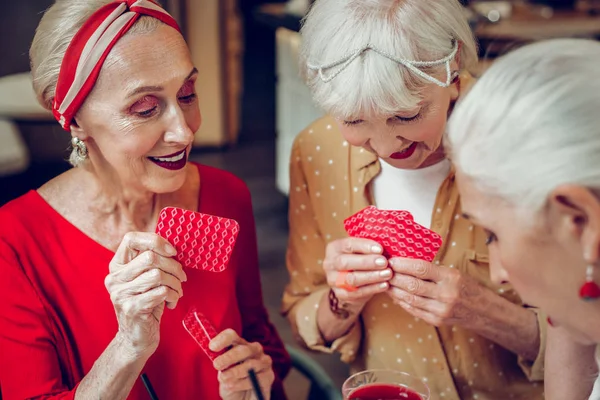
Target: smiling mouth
pixel 173 161
pixel 406 153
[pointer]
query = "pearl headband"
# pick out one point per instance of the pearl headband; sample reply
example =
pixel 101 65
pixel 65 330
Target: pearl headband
pixel 411 65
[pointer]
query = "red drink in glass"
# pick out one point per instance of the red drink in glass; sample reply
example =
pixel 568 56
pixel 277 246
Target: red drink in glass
pixel 383 391
pixel 384 385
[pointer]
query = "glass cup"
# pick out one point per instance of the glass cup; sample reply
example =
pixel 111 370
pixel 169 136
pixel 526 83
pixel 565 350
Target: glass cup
pixel 388 384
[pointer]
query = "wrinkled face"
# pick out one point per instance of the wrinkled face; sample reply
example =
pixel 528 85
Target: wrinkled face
pixel 139 121
pixel 541 255
pixel 410 139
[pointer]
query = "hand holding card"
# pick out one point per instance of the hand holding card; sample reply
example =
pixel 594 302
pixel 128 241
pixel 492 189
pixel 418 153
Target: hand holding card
pixel 202 241
pixel 396 231
pixel 201 330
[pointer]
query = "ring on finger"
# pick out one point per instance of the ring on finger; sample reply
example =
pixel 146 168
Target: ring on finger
pixel 342 283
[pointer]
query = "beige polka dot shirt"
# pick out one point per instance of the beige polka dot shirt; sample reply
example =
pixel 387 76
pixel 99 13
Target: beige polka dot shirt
pixel 329 182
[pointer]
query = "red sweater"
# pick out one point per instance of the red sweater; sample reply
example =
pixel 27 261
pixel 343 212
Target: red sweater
pixel 56 317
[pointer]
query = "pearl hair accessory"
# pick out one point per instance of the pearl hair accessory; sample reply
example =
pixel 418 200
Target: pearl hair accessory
pixel 411 65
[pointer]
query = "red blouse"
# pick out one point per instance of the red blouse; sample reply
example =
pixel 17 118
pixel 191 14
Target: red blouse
pixel 56 317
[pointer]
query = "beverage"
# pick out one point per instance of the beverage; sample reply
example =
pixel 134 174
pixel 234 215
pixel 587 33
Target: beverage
pixel 384 384
pixel 383 391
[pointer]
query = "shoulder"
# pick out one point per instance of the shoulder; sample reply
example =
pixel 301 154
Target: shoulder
pixel 323 132
pixel 225 179
pixel 21 209
pixel 321 147
pixel 21 219
pixel 222 188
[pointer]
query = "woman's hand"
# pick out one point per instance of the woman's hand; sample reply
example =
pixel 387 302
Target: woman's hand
pixel 436 294
pixel 234 364
pixel 356 270
pixel 142 277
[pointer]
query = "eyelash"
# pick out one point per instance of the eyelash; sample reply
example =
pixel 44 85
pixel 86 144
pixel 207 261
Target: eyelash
pixel 397 117
pixel 411 119
pixel 491 237
pixel 189 99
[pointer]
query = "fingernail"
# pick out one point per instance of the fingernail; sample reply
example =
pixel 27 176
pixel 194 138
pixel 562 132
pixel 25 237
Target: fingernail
pixel 383 285
pixel 376 249
pixel 386 273
pixel 185 277
pixel 381 261
pixel 171 250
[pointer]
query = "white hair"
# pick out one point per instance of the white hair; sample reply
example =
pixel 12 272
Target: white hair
pixel 410 29
pixel 532 123
pixel 52 37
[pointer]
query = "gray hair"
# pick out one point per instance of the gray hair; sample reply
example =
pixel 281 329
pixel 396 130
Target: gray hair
pixel 409 29
pixel 532 123
pixel 52 37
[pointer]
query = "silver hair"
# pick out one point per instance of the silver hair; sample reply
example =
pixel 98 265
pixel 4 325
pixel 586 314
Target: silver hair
pixel 52 37
pixel 532 123
pixel 417 30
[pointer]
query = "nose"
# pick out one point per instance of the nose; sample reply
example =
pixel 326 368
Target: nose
pixel 498 274
pixel 177 129
pixel 385 145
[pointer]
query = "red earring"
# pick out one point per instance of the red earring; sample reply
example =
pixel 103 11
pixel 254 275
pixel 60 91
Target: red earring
pixel 590 290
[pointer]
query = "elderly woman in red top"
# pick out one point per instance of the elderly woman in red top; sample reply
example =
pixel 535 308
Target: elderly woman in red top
pixel 83 280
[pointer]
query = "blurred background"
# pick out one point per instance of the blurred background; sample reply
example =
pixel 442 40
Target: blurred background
pixel 253 104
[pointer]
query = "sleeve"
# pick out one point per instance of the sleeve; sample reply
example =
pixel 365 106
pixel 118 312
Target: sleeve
pixel 304 259
pixel 534 371
pixel 29 364
pixel 256 326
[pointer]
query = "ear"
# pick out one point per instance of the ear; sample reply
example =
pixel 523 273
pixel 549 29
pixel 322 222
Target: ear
pixel 576 210
pixel 77 131
pixel 455 86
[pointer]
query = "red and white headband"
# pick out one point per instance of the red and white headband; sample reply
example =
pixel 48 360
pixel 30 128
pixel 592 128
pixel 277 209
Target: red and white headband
pixel 89 48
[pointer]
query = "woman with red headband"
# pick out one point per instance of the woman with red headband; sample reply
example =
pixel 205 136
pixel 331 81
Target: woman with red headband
pixel 83 279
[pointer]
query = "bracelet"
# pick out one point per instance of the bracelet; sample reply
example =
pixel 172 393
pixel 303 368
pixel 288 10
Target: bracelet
pixel 334 306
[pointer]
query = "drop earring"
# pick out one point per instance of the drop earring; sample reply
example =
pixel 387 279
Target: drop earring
pixel 80 148
pixel 590 290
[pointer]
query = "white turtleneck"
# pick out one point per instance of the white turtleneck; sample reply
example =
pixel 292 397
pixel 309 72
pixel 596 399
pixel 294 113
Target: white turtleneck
pixel 413 190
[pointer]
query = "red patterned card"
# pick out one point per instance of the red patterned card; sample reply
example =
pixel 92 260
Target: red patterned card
pixel 397 232
pixel 372 215
pixel 202 241
pixel 201 330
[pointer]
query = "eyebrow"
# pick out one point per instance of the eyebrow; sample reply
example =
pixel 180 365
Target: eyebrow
pixel 146 89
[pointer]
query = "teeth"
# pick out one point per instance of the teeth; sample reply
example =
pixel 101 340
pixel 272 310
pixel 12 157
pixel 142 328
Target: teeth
pixel 406 149
pixel 171 159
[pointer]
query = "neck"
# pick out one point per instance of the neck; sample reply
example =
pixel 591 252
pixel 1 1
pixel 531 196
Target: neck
pixel 128 206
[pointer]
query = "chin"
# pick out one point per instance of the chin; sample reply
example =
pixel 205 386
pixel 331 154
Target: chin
pixel 167 184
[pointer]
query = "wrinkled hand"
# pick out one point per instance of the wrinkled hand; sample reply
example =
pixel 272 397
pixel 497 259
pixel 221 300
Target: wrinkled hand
pixel 142 277
pixel 434 293
pixel 234 364
pixel 367 269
